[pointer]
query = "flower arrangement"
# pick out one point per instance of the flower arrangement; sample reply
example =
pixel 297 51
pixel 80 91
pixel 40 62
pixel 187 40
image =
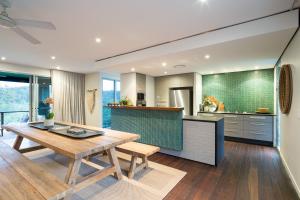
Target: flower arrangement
pixel 210 103
pixel 49 115
pixel 210 100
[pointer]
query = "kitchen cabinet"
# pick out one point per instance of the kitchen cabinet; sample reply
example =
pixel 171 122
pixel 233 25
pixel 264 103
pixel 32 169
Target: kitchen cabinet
pixel 203 140
pixel 258 128
pixel 233 125
pixel 247 126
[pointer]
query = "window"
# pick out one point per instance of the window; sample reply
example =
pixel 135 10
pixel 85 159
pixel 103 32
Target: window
pixel 110 94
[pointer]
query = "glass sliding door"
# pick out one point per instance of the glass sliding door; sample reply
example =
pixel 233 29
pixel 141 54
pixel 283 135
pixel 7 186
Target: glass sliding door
pixel 40 90
pixel 110 94
pixel 14 98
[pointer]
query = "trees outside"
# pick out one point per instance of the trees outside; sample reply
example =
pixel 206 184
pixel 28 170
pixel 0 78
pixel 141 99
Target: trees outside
pixel 14 96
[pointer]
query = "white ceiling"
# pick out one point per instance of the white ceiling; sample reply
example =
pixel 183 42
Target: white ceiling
pixel 124 26
pixel 249 53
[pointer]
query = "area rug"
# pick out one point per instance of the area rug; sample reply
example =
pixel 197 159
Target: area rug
pixel 151 184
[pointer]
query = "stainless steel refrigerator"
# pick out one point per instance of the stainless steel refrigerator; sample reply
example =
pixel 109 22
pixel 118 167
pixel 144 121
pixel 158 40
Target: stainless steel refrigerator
pixel 182 97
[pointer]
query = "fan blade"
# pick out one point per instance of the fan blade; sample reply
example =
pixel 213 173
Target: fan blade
pixel 25 35
pixel 35 24
pixel 5 3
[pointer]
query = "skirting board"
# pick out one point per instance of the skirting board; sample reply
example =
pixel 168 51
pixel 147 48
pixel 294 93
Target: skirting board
pixel 289 173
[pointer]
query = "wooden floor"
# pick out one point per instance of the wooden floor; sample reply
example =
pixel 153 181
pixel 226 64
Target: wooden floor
pixel 247 172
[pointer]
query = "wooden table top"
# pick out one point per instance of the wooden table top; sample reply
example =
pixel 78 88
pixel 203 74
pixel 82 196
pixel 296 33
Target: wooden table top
pixel 22 179
pixel 73 148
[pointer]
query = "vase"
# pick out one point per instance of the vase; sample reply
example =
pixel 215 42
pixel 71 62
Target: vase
pixel 206 108
pixel 49 122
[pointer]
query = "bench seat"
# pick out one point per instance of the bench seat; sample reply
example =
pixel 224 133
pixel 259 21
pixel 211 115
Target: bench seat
pixel 22 179
pixel 137 150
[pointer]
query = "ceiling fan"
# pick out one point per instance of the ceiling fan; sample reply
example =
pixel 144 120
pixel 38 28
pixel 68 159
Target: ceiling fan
pixel 14 24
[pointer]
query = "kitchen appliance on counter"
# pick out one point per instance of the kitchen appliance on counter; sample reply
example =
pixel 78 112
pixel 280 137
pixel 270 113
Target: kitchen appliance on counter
pixel 182 97
pixel 140 100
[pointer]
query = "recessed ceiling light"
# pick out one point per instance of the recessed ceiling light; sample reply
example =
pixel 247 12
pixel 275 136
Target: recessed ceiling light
pixel 179 66
pixel 98 40
pixel 164 64
pixel 57 67
pixel 133 69
pixel 202 1
pixel 207 56
pixel 165 72
pixel 3 58
pixel 53 57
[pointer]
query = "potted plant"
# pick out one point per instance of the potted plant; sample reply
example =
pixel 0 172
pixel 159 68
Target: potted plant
pixel 125 102
pixel 49 115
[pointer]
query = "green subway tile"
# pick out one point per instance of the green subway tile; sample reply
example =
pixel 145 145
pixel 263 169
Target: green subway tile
pixel 242 91
pixel 159 128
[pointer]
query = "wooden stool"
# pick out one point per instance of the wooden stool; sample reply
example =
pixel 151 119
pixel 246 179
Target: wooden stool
pixel 137 150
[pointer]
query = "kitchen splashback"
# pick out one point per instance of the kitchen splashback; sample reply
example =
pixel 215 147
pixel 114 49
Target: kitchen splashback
pixel 242 91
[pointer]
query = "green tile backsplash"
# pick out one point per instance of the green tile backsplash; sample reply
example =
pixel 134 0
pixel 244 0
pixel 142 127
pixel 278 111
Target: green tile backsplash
pixel 242 91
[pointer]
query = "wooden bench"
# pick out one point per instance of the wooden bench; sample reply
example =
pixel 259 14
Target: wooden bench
pixel 21 179
pixel 137 150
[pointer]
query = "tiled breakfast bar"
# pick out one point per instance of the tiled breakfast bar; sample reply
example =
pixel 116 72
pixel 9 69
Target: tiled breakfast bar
pixel 192 137
pixel 159 126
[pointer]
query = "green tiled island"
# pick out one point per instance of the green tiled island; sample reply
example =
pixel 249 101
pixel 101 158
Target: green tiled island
pixel 197 138
pixel 156 125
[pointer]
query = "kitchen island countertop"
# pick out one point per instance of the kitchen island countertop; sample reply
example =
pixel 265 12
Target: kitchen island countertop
pixel 202 118
pixel 147 108
pixel 239 113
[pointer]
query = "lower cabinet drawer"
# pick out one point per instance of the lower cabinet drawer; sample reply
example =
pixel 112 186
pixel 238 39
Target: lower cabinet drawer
pixel 264 134
pixel 232 133
pixel 259 119
pixel 258 126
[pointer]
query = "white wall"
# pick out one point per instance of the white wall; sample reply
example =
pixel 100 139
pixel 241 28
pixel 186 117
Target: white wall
pixel 128 86
pixel 150 91
pixel 197 92
pixel 14 68
pixel 290 135
pixel 164 83
pixel 94 81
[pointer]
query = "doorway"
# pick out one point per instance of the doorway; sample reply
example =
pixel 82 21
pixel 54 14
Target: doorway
pixel 110 94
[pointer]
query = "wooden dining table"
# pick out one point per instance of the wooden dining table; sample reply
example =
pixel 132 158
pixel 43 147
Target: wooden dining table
pixel 77 150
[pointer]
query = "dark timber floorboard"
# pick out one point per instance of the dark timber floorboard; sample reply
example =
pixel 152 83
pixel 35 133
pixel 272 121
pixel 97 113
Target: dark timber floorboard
pixel 248 172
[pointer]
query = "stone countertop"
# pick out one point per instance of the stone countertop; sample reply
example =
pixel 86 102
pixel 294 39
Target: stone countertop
pixel 202 118
pixel 237 113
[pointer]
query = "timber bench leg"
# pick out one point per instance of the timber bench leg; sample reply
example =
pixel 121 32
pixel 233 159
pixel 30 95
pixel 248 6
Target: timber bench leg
pixel 132 167
pixel 145 161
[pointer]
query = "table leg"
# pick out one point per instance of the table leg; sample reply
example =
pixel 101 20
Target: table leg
pixel 73 170
pixel 18 143
pixel 1 122
pixel 114 162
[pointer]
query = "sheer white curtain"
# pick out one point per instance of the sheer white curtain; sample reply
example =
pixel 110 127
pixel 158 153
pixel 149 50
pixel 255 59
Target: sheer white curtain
pixel 69 95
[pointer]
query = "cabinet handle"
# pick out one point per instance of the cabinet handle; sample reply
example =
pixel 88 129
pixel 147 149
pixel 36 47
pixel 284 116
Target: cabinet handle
pixel 256 117
pixel 258 124
pixel 258 133
pixel 232 122
pixel 231 116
